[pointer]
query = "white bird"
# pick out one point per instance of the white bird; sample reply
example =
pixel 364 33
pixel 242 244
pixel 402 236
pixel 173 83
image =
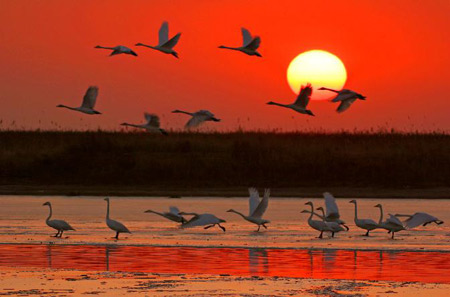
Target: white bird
pixel 115 225
pixel 152 124
pixel 301 103
pixel 316 224
pixel 173 214
pixel 58 225
pixel 119 49
pixel 392 224
pixel 205 219
pixel 346 97
pixel 332 210
pixel 249 44
pixel 334 226
pixel 419 218
pixel 198 117
pixel 164 44
pixel 366 224
pixel 88 104
pixel 257 208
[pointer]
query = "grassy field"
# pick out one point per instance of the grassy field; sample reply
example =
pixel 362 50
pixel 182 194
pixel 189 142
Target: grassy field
pixel 143 163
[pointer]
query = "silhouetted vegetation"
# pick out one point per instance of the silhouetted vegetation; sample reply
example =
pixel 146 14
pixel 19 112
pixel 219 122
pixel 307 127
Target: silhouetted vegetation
pixel 220 160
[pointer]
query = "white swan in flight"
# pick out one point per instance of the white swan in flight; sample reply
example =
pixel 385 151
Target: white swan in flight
pixel 257 208
pixel 88 104
pixel 164 44
pixel 115 225
pixel 249 44
pixel 366 224
pixel 332 210
pixel 300 103
pixel 58 225
pixel 198 117
pixel 205 219
pixel 334 227
pixel 346 97
pixel 152 124
pixel 316 224
pixel 173 214
pixel 119 49
pixel 419 218
pixel 392 224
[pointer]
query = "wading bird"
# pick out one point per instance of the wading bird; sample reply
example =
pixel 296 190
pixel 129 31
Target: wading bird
pixel 88 102
pixel 301 103
pixel 366 224
pixel 346 97
pixel 205 219
pixel 334 227
pixel 58 225
pixel 332 210
pixel 152 124
pixel 316 224
pixel 173 214
pixel 120 49
pixel 257 208
pixel 198 117
pixel 115 225
pixel 392 224
pixel 249 44
pixel 164 44
pixel 419 218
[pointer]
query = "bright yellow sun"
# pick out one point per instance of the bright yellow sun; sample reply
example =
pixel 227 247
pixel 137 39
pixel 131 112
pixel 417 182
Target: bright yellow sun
pixel 321 69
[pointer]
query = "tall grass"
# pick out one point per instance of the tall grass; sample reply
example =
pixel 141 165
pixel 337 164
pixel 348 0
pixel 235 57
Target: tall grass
pixel 225 159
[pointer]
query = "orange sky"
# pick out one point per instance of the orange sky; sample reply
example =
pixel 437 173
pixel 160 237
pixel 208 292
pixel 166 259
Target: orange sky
pixel 395 52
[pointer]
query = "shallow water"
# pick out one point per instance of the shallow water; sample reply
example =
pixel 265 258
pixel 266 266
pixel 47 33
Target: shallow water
pixel 430 267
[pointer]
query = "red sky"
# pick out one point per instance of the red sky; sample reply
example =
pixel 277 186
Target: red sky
pixel 396 53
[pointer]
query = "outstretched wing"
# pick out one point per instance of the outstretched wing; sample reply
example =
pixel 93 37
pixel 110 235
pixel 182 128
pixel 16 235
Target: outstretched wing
pixel 246 37
pixel 418 219
pixel 344 95
pixel 201 220
pixel 332 211
pixel 304 96
pixel 254 44
pixel 261 209
pixel 174 210
pixel 152 119
pixel 345 105
pixel 163 33
pixel 172 42
pixel 90 97
pixel 394 220
pixel 253 201
pixel 195 121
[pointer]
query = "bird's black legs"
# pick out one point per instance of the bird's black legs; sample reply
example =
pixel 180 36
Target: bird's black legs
pixel 56 235
pixel 259 227
pixel 264 226
pixel 393 235
pixel 346 227
pixel 332 234
pixel 320 236
pixel 207 227
pixel 60 234
pixel 367 233
pixel 221 227
pixel 117 235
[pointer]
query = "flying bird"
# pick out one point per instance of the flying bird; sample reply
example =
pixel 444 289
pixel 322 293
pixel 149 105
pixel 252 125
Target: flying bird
pixel 392 224
pixel 249 44
pixel 366 224
pixel 88 104
pixel 346 97
pixel 205 219
pixel 198 117
pixel 164 44
pixel 419 218
pixel 120 49
pixel 301 103
pixel 152 124
pixel 257 208
pixel 173 214
pixel 58 225
pixel 115 225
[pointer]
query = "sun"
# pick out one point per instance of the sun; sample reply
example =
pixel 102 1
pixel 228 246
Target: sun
pixel 321 69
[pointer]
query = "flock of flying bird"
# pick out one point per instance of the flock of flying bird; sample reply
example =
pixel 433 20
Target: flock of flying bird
pixel 249 47
pixel 329 219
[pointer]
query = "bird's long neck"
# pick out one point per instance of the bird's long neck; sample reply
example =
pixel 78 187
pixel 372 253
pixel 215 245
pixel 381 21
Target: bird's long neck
pixel 312 213
pixel 237 212
pixel 131 125
pixel 356 212
pixel 50 214
pixel 381 215
pixel 185 112
pixel 155 212
pixel 65 106
pixel 278 104
pixel 104 47
pixel 332 90
pixel 227 47
pixel 107 209
pixel 323 214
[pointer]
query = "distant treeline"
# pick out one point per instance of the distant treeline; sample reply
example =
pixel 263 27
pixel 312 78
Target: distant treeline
pixel 220 160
